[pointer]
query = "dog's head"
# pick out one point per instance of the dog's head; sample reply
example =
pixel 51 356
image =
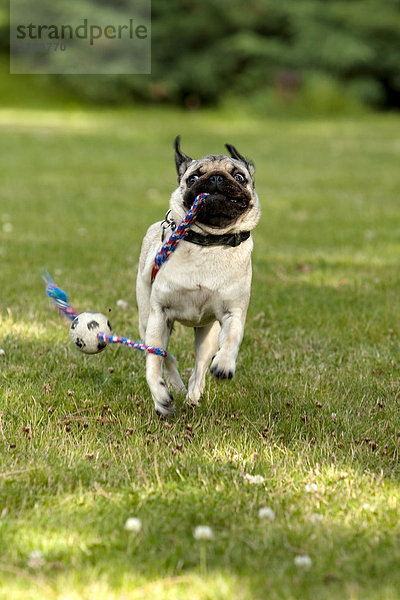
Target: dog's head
pixel 232 204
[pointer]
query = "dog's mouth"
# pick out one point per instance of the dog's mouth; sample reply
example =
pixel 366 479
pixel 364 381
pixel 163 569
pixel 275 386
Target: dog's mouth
pixel 222 207
pixel 219 210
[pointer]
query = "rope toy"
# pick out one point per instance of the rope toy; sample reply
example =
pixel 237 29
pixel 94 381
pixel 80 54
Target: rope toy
pixel 90 332
pixel 177 235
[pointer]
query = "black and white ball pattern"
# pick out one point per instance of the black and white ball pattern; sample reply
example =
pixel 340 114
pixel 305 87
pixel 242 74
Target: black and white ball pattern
pixel 84 329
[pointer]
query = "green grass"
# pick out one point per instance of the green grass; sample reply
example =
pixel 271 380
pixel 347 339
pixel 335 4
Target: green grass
pixel 314 401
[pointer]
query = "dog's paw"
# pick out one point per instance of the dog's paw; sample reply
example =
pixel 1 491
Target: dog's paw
pixel 223 367
pixel 172 376
pixel 164 411
pixel 193 400
pixel 174 381
pixel 194 393
pixel 163 400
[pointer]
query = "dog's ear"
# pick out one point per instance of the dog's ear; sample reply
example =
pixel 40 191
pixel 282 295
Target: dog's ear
pixel 235 154
pixel 182 160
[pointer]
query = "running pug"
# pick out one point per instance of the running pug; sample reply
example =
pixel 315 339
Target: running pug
pixel 205 284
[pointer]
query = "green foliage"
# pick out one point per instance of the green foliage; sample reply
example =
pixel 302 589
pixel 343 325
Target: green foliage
pixel 205 51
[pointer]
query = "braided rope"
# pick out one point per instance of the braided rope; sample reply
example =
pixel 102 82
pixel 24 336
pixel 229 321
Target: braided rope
pixel 116 339
pixel 176 236
pixel 59 298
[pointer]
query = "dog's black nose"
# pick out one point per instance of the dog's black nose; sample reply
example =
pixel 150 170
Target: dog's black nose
pixel 215 181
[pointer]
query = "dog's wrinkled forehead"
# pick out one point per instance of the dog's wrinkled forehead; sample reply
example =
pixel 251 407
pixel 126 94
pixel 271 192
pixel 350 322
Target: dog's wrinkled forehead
pixel 212 162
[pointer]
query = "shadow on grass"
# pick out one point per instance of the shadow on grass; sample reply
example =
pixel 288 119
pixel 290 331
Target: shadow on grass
pixel 84 534
pixel 312 403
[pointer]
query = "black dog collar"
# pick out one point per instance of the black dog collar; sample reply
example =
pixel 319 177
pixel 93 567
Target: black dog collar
pixel 227 239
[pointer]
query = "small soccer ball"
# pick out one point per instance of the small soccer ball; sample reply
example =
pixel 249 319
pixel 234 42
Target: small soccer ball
pixel 84 329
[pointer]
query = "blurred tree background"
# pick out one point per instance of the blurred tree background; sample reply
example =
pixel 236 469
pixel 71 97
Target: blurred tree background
pixel 270 52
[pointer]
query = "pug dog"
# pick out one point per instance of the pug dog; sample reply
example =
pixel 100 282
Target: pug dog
pixel 205 283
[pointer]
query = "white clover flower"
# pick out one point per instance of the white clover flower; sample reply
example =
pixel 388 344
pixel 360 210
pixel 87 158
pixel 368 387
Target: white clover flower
pixel 253 479
pixel 266 513
pixel 316 518
pixel 36 559
pixel 303 561
pixel 133 524
pixel 2 353
pixel 311 487
pixel 203 532
pixel 122 304
pixel 369 507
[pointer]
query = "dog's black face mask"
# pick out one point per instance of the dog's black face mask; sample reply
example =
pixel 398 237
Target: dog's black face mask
pixel 229 183
pixel 228 197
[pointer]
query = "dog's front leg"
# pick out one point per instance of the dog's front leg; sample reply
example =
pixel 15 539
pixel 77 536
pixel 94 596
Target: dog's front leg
pixel 157 334
pixel 232 327
pixel 206 344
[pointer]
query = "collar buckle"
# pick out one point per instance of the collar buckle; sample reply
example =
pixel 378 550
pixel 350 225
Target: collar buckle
pixel 168 223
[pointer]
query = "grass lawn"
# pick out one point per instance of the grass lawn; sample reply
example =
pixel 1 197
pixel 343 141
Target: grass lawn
pixel 313 407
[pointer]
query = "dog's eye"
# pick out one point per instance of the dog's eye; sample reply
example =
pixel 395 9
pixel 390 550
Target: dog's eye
pixel 192 179
pixel 240 178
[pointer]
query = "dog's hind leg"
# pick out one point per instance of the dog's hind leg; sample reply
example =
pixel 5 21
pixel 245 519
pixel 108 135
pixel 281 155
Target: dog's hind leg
pixel 206 345
pixel 171 372
pixel 172 375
